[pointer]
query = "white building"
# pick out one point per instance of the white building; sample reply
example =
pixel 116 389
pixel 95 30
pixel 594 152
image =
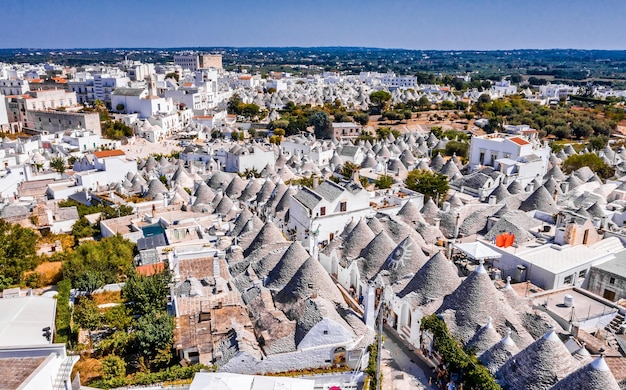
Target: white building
pixel 551 266
pixel 242 158
pixel 137 100
pixel 4 117
pixel 521 158
pixel 223 380
pixel 343 130
pixel 103 168
pixel 503 88
pixel 13 87
pixel 317 151
pixel 89 88
pixel 19 105
pixel 318 214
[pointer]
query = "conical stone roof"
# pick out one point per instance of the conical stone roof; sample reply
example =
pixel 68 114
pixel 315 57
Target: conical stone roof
pixel 556 173
pixel 203 194
pixel 437 163
pixel 224 206
pixel 540 365
pixel 375 254
pixel 472 303
pixel 219 180
pixel 269 234
pixel 437 278
pixel 235 187
pixel 540 199
pixel 410 213
pixel 495 357
pixel 251 190
pixel 357 239
pixel 155 187
pixel 430 211
pixel 515 187
pixel 595 375
pixel 485 338
pixel 375 225
pixel 405 259
pixel 501 193
pixel 287 266
pixel 311 278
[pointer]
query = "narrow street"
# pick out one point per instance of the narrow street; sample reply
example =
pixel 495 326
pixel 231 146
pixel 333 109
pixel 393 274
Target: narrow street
pixel 401 370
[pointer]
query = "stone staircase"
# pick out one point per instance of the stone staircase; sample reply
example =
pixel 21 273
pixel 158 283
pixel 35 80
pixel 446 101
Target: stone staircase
pixel 612 328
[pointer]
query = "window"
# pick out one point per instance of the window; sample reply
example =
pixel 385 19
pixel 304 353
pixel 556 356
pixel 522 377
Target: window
pixel 612 280
pixel 342 206
pixel 482 158
pixel 567 280
pixel 322 211
pixel 582 273
pixel 325 332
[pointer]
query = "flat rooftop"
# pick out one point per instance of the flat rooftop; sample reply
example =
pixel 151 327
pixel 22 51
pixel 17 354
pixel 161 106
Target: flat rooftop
pixel 22 320
pixel 615 267
pixel 584 306
pixel 557 259
pixel 14 371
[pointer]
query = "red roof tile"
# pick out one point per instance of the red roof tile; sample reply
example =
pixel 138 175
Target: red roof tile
pixel 150 269
pixel 109 153
pixel 519 141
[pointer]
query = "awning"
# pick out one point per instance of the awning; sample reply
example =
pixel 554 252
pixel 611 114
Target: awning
pixel 477 250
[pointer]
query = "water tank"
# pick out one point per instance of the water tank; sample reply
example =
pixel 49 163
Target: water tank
pixel 496 274
pixel 520 273
pixel 568 301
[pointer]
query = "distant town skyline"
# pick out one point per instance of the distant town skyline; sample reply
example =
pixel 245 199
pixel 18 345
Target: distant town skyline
pixel 406 24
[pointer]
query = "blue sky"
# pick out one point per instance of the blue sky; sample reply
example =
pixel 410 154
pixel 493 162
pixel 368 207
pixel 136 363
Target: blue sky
pixel 410 24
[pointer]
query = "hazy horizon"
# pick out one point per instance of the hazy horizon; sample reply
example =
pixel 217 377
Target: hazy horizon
pixel 480 25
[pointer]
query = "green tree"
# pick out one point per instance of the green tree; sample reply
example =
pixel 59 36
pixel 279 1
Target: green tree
pixel 5 282
pixel 146 293
pixel 432 184
pixel 561 132
pixel 119 343
pixel 361 118
pixel 172 75
pixel 118 317
pixel 348 168
pixel 599 142
pixel 113 367
pixel 87 314
pixel 322 125
pixel 455 147
pixel 58 163
pixel 383 182
pixel 154 333
pixel 591 160
pixel 380 101
pixel 82 228
pixel 112 258
pixel 17 251
pixel 383 132
pixel 117 211
pixel 447 105
pixel 250 110
pixel 234 105
pixel 89 281
pixel 423 104
pixel 341 116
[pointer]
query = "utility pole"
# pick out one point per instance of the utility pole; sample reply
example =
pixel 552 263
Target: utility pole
pixel 379 348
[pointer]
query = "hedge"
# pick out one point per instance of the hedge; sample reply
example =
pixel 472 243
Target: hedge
pixel 475 374
pixel 148 378
pixel 63 327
